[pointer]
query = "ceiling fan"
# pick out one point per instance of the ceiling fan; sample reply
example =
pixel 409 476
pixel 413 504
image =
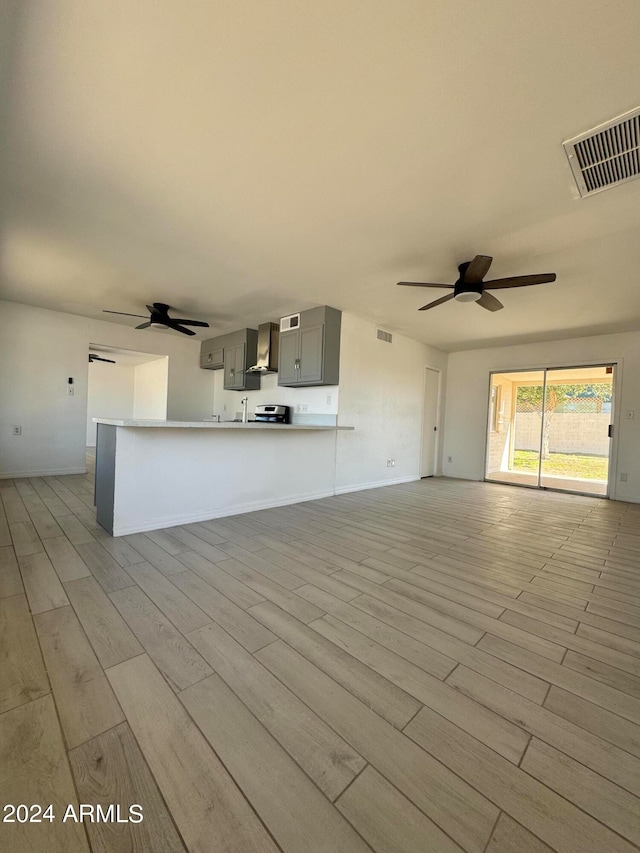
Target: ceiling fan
pixel 93 357
pixel 159 317
pixel 470 286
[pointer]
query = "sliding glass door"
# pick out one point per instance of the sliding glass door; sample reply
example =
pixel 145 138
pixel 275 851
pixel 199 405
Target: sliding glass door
pixel 551 428
pixel 515 427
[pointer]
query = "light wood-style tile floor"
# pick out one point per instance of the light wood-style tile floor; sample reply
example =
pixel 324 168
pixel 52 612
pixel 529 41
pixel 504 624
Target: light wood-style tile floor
pixel 438 666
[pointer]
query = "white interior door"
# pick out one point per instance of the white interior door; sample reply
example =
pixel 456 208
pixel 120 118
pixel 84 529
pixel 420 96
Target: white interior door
pixel 430 422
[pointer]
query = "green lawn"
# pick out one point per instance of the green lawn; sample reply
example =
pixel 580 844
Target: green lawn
pixel 563 464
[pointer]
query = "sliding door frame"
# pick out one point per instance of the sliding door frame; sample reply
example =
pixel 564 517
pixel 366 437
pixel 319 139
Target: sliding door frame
pixel 616 364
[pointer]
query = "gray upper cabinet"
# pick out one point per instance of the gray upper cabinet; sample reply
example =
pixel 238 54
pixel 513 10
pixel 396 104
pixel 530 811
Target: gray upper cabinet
pixel 234 367
pixel 233 353
pixel 211 359
pixel 288 357
pixel 310 354
pixel 311 364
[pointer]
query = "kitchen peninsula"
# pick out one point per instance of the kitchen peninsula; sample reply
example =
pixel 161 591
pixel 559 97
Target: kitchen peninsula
pixel 154 474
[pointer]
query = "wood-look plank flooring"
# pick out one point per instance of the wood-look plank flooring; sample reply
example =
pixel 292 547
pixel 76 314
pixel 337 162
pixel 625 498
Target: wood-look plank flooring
pixel 432 667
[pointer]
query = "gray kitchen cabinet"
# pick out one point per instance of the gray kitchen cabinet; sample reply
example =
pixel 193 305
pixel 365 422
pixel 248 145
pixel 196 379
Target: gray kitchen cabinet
pixel 233 353
pixel 311 364
pixel 288 357
pixel 234 368
pixel 310 353
pixel 211 359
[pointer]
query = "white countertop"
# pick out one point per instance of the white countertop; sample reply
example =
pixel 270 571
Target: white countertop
pixel 139 422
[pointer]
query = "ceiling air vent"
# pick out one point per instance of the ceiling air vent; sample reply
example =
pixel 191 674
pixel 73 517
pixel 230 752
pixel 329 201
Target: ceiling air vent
pixel 385 336
pixel 607 155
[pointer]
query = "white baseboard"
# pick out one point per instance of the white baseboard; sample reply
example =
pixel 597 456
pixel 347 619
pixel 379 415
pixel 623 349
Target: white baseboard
pixel 207 514
pixel 53 472
pixel 360 487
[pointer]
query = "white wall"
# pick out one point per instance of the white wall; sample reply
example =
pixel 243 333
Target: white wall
pixel 228 404
pixel 468 388
pixel 126 391
pixel 40 349
pixel 381 395
pixel 109 394
pixel 151 389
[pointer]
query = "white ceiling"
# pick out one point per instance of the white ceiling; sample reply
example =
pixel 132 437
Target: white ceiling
pixel 245 159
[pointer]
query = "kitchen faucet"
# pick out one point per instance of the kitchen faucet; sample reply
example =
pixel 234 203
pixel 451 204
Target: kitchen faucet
pixel 245 401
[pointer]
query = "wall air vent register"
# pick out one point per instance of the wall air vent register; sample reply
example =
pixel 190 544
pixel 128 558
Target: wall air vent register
pixel 290 322
pixel 607 155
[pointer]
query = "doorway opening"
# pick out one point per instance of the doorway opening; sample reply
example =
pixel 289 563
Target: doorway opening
pixel 551 428
pixel 430 418
pixel 125 384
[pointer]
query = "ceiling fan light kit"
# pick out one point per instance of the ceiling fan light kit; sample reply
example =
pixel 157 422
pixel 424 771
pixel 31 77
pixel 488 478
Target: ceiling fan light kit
pixel 471 287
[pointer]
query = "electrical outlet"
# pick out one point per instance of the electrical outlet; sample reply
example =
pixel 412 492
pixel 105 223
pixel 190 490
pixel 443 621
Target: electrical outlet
pixel 624 478
pixel 70 391
pixel 16 430
pixel 328 399
pixel 449 458
pixel 304 407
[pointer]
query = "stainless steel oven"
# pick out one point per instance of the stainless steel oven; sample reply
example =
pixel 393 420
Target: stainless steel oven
pixel 273 414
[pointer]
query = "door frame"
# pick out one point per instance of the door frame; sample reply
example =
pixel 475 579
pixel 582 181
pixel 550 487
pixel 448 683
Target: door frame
pixel 612 476
pixel 436 450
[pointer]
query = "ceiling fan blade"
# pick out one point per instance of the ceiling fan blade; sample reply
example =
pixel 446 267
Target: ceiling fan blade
pixel 437 302
pixel 122 313
pixel 520 281
pixel 490 302
pixel 477 269
pixel 422 284
pixel 144 325
pixel 191 322
pixel 173 325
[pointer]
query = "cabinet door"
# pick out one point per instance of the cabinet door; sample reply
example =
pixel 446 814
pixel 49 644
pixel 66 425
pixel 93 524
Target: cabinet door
pixel 288 358
pixel 234 365
pixel 311 355
pixel 212 360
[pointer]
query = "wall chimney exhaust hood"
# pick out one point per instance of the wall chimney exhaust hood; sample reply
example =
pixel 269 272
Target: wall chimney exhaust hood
pixel 268 343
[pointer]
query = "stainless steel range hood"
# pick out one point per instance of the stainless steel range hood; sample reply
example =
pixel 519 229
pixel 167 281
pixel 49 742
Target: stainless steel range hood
pixel 268 342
